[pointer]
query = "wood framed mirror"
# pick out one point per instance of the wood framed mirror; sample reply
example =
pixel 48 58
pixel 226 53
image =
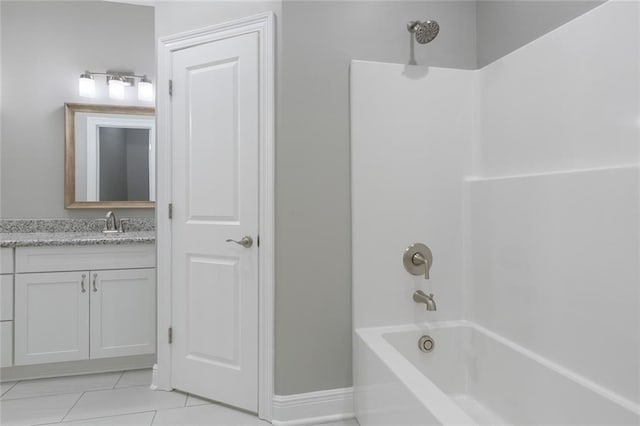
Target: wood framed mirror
pixel 109 157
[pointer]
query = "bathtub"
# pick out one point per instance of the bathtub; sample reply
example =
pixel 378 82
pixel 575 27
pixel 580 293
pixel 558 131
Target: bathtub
pixel 472 377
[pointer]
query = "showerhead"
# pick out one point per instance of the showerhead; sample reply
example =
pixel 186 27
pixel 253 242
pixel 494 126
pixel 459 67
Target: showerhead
pixel 424 31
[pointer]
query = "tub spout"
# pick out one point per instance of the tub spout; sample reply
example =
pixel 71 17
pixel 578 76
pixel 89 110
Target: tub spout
pixel 421 297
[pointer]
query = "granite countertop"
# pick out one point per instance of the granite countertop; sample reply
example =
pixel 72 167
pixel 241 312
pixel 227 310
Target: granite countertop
pixel 67 232
pixel 34 239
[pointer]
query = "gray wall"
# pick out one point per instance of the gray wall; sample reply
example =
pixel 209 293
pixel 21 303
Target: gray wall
pixel 45 47
pixel 1 94
pixel 504 26
pixel 316 41
pixel 313 300
pixel 313 339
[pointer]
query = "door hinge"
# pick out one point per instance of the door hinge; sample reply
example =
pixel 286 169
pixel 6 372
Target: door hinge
pixel 258 240
pixel 170 87
pixel 170 210
pixel 170 335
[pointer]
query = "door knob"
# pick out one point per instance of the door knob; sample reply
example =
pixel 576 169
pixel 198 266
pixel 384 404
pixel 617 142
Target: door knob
pixel 245 242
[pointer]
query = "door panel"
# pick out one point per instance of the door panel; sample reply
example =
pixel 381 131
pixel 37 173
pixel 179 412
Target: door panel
pixel 51 317
pixel 215 142
pixel 213 92
pixel 123 312
pixel 214 328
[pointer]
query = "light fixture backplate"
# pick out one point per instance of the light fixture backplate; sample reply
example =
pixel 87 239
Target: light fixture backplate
pixel 127 77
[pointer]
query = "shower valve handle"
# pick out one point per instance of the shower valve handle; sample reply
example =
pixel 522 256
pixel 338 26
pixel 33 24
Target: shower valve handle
pixel 417 260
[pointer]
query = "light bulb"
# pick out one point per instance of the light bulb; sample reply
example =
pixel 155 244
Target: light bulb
pixel 145 90
pixel 116 88
pixel 86 86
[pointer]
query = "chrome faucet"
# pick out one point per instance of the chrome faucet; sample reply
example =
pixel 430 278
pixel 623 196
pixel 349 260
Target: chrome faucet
pixel 111 224
pixel 421 297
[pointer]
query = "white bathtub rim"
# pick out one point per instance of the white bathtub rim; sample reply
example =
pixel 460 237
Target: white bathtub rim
pixel 437 402
pixel 611 168
pixel 371 332
pixel 570 374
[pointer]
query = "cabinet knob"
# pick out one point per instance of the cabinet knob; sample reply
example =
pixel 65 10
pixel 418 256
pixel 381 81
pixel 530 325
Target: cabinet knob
pixel 84 290
pixel 95 289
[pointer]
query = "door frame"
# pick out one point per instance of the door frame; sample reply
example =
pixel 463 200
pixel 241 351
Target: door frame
pixel 263 24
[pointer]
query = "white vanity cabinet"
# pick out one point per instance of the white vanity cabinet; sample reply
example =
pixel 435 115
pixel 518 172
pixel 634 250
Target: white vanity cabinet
pixel 84 302
pixel 52 317
pixel 6 307
pixel 123 313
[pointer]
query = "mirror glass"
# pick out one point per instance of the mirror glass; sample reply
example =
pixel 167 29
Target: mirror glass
pixel 110 152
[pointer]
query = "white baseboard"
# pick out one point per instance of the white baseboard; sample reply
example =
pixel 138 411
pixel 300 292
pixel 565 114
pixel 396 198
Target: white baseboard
pixel 73 368
pixel 313 407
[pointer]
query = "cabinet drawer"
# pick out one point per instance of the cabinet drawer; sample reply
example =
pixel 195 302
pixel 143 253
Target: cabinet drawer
pixel 6 260
pixel 80 258
pixel 6 297
pixel 6 342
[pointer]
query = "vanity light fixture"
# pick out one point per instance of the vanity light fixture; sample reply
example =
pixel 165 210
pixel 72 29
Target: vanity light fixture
pixel 116 88
pixel 87 86
pixel 145 89
pixel 117 81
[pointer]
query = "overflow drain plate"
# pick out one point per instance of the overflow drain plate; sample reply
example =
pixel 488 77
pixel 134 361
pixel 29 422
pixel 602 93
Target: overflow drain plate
pixel 426 344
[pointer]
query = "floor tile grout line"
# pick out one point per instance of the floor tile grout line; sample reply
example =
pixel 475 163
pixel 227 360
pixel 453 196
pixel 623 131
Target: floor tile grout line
pixel 119 378
pixel 44 424
pixel 10 387
pixel 114 416
pixel 72 407
pixel 72 421
pixel 44 395
pixel 2 396
pixel 153 419
pixel 66 420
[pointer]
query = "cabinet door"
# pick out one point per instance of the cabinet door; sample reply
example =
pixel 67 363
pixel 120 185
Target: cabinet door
pixel 123 312
pixel 6 343
pixel 6 260
pixel 6 297
pixel 51 317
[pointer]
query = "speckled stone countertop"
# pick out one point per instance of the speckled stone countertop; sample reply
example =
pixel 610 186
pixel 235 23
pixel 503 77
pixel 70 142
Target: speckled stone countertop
pixel 35 239
pixel 64 232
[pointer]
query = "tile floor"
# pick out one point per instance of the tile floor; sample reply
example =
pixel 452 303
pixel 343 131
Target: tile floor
pixel 114 399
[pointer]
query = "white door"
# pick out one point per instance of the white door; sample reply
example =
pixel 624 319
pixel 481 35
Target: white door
pixel 51 317
pixel 215 142
pixel 123 313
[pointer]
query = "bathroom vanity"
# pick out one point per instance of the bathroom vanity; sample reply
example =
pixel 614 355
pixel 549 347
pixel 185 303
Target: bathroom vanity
pixel 76 302
pixel 6 307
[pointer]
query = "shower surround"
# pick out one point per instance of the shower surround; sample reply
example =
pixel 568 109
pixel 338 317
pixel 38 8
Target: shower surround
pixel 523 179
